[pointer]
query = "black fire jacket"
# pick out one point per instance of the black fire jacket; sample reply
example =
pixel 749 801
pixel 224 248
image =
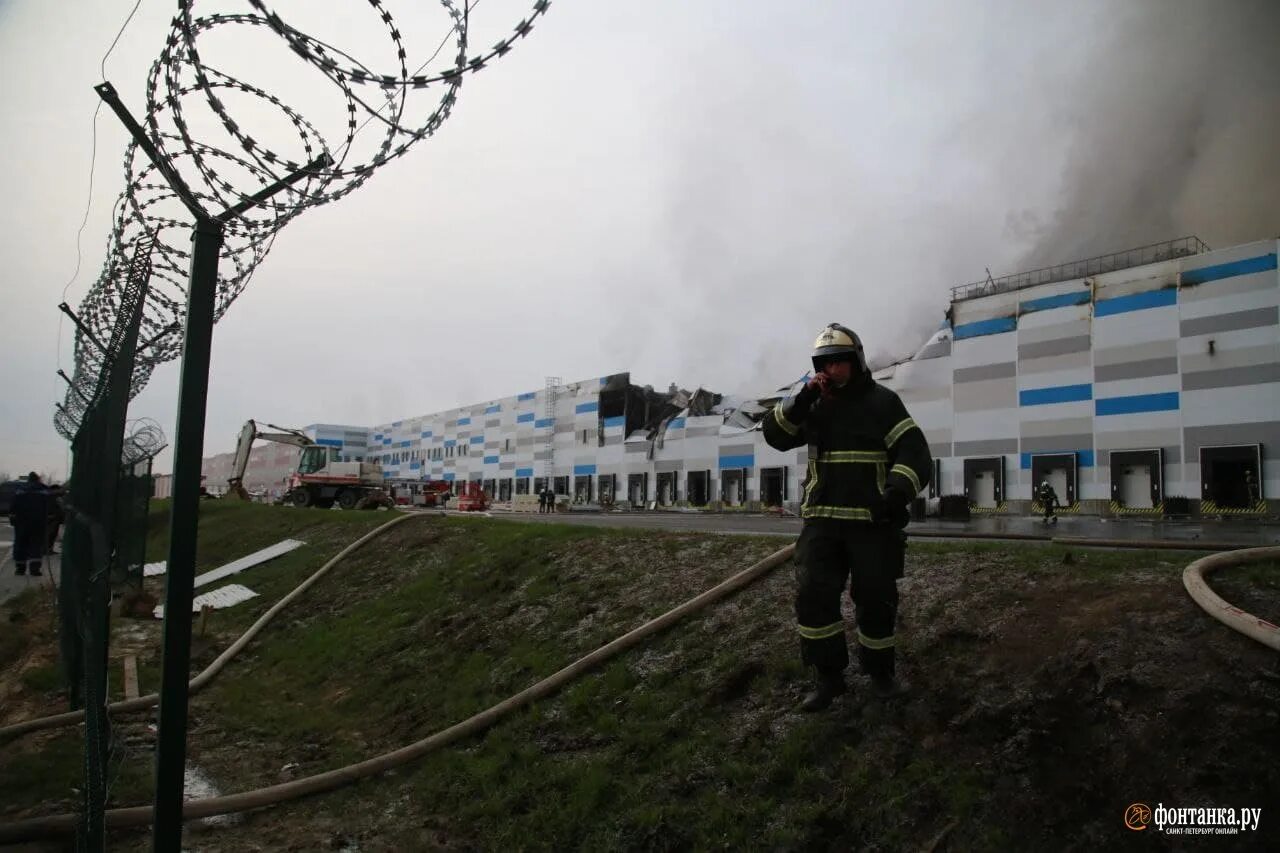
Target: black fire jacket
pixel 861 441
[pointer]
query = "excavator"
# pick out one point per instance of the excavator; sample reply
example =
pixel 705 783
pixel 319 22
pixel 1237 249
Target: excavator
pixel 321 479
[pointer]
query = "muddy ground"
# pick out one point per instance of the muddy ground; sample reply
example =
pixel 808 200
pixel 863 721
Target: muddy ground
pixel 1050 690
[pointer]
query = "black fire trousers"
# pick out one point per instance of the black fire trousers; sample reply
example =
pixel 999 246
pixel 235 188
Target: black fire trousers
pixel 869 557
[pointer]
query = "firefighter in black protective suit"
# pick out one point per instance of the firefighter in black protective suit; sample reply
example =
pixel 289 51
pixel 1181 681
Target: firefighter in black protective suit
pixel 867 460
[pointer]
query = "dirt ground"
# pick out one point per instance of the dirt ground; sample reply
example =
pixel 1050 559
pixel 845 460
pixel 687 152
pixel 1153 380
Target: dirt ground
pixel 1050 690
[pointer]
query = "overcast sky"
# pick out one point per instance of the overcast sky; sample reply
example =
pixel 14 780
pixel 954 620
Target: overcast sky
pixel 688 191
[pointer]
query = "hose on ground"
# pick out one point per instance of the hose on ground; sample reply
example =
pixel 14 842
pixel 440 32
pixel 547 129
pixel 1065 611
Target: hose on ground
pixel 63 824
pixel 202 680
pixel 1228 614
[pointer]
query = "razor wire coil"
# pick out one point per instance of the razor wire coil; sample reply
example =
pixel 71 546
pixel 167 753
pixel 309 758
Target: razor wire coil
pixel 221 176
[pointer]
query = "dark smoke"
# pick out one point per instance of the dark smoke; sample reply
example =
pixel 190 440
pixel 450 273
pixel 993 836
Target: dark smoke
pixel 1176 130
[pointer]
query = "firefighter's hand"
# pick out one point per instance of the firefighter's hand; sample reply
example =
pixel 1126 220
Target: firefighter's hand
pixel 891 509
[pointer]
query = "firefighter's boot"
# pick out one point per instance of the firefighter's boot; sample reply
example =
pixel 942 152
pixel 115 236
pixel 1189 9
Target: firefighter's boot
pixel 829 686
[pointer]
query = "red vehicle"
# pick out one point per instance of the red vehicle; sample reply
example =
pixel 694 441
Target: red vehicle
pixel 472 498
pixel 434 493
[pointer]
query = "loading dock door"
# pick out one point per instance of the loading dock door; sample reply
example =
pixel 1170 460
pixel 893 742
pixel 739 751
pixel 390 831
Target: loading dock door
pixel 667 488
pixel 1230 475
pixel 637 488
pixel 1060 469
pixel 984 489
pixel 984 482
pixel 1135 486
pixel 773 486
pixel 1137 478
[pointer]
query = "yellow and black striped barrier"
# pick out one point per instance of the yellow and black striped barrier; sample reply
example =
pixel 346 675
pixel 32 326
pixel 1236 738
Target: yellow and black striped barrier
pixel 988 510
pixel 1118 508
pixel 1038 508
pixel 1211 508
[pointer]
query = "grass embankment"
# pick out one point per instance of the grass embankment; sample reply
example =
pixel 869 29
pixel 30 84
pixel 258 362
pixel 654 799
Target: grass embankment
pixel 1049 695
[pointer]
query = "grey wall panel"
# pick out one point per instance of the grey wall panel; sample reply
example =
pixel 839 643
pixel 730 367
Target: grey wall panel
pixel 924 395
pixel 492 445
pixel 1235 357
pixel 1057 346
pixel 541 455
pixel 610 440
pixel 1135 369
pixel 1057 426
pixel 492 422
pixel 564 427
pixel 737 449
pixel 506 466
pixel 982 372
pixel 662 466
pixel 992 394
pixel 1252 319
pixel 1072 329
pixel 638 447
pixel 701 431
pixel 1145 351
pixel 1267 433
pixel 986 447
pixel 1043 443
pixel 940 451
pixel 1066 361
pixel 1230 377
pixel 1172 455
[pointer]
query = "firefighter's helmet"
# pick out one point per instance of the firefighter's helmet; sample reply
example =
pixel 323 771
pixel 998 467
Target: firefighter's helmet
pixel 838 343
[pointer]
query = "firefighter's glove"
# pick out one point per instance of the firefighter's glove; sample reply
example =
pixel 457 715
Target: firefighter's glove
pixel 805 398
pixel 891 509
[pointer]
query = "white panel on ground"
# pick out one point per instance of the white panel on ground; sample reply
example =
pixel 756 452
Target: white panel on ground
pixel 225 596
pixel 1135 486
pixel 150 570
pixel 268 553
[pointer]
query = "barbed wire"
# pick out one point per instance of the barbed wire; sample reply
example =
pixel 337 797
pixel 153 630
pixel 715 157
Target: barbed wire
pixel 184 92
pixel 143 440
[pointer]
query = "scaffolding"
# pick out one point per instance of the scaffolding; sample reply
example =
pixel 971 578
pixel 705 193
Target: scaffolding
pixel 549 419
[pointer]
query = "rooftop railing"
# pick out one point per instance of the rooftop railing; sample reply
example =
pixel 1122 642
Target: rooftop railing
pixel 1169 249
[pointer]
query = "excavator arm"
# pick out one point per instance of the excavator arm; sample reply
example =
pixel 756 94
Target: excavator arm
pixel 250 433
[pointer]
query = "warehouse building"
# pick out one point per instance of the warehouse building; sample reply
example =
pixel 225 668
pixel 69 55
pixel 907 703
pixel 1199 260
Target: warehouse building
pixel 1145 381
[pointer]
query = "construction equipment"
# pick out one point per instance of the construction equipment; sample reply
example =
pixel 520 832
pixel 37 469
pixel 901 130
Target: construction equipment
pixel 321 478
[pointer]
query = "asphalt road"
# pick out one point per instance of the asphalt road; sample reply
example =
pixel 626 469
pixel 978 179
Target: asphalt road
pixel 12 584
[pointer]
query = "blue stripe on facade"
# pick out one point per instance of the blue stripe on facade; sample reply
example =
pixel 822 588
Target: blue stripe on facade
pixel 329 442
pixel 524 472
pixel 491 460
pixel 676 423
pixel 543 422
pixel 583 408
pixel 620 420
pixel 449 476
pixel 386 442
pixel 1084 458
pixel 378 437
pixel 464 421
pixel 1166 402
pixel 477 439
pixel 426 434
pixel 525 418
pixel 604 380
pixel 450 442
pixel 583 470
pixel 994 326
pixel 414 466
pixel 1055 394
pixel 1135 302
pixel 1262 263
pixel 1044 303
pixel 491 409
pixel 404 443
pixel 529 396
pixel 745 461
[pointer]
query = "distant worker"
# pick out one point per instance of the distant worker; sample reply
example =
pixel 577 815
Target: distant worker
pixel 542 499
pixel 1048 501
pixel 1251 487
pixel 29 515
pixel 867 460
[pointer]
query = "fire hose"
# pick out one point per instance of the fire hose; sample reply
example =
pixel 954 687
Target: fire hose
pixel 1228 614
pixel 64 824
